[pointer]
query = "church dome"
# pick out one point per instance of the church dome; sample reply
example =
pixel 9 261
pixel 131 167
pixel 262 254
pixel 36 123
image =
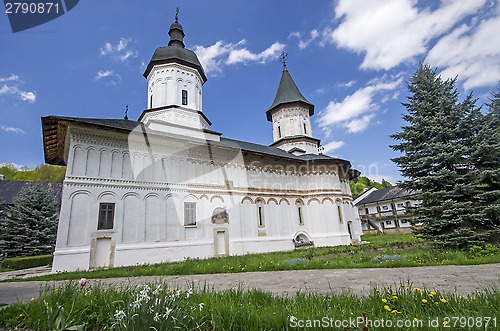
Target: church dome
pixel 175 52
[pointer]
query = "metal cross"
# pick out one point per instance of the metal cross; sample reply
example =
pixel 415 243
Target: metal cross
pixel 126 113
pixel 177 14
pixel 283 58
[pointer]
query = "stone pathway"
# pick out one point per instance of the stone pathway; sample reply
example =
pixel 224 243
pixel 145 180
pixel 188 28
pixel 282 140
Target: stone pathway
pixel 462 280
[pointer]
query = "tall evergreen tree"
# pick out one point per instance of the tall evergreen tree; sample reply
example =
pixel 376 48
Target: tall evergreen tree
pixel 439 147
pixel 30 226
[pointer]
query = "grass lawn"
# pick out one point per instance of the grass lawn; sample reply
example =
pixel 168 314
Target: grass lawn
pixel 158 307
pixel 383 251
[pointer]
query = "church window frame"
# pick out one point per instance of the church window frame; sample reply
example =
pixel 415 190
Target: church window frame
pixel 184 97
pixel 341 216
pixel 261 221
pixel 189 213
pixel 300 205
pixel 106 216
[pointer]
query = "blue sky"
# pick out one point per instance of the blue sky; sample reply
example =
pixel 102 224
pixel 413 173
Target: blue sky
pixel 351 58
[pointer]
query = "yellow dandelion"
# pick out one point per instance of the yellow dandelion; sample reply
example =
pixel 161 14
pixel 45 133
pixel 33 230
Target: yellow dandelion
pixel 384 300
pixel 32 299
pixel 418 289
pixel 20 315
pixel 377 291
pixel 415 319
pixel 424 300
pixel 443 300
pixel 399 313
pixel 86 294
pixel 394 296
pixel 388 287
pixel 386 307
pixel 394 311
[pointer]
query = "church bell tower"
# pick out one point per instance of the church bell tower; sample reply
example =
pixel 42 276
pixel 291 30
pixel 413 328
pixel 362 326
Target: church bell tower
pixel 291 114
pixel 175 80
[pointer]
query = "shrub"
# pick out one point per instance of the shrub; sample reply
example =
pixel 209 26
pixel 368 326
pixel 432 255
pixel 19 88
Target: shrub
pixel 487 250
pixel 17 263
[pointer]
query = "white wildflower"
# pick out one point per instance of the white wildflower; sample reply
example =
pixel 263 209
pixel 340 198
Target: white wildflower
pixel 120 314
pixel 200 306
pixel 157 317
pixel 167 313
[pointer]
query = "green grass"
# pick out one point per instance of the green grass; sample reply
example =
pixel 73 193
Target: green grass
pixel 162 308
pixel 383 251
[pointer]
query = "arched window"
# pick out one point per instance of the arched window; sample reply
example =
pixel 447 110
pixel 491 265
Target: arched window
pixel 300 206
pixel 260 213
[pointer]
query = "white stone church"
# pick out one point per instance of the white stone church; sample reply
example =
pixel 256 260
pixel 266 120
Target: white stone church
pixel 166 187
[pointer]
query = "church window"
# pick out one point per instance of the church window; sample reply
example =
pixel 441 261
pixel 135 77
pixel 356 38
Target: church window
pixel 300 205
pixel 301 218
pixel 261 216
pixel 189 213
pixel 341 217
pixel 279 132
pixel 184 97
pixel 305 128
pixel 151 101
pixel 106 216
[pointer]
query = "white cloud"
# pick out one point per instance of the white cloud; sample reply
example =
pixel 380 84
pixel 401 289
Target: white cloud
pixel 357 110
pixel 332 145
pixel 244 55
pixel 214 57
pixel 114 78
pixel 11 129
pixel 11 78
pixel 11 87
pixel 390 32
pixel 120 51
pixel 359 124
pixel 471 53
pixel 303 43
pixel 347 84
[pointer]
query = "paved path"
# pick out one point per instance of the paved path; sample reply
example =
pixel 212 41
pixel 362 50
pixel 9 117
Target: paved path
pixel 459 279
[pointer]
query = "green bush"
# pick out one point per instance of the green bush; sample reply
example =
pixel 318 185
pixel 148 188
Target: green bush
pixel 17 263
pixel 487 250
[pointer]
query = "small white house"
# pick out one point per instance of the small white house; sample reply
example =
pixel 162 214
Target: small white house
pixel 167 187
pixel 384 210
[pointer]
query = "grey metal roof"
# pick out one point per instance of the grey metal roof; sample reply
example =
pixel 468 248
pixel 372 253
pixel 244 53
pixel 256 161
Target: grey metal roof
pixel 175 52
pixel 129 125
pixel 288 92
pixel 10 189
pixel 387 194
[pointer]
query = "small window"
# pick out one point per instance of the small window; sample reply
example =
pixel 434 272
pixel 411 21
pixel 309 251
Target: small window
pixel 341 217
pixel 151 101
pixel 407 203
pixel 400 206
pixel 106 216
pixel 260 210
pixel 385 208
pixel 279 132
pixel 189 213
pixel 367 211
pixel 301 217
pixel 305 128
pixel 404 221
pixel 388 222
pixel 184 97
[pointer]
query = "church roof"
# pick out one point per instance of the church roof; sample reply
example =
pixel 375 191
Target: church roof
pixel 288 92
pixel 175 52
pixel 54 133
pixel 10 190
pixel 385 194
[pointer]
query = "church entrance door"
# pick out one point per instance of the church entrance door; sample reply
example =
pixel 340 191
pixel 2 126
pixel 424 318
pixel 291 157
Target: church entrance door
pixel 221 242
pixel 102 252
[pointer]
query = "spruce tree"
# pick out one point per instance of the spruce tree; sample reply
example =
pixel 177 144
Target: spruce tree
pixel 439 147
pixel 30 225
